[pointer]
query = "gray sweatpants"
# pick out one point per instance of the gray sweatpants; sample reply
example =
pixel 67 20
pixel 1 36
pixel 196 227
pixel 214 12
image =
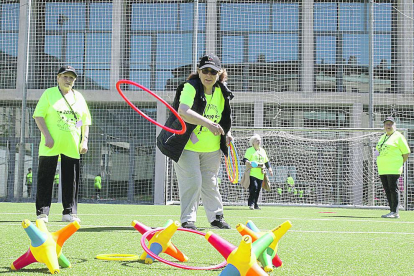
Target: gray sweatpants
pixel 197 176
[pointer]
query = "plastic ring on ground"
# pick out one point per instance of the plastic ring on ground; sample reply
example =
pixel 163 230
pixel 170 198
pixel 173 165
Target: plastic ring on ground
pixel 146 249
pixel 183 125
pixel 117 257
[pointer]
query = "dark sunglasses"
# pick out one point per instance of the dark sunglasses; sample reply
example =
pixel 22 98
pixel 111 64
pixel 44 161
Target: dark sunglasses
pixel 211 71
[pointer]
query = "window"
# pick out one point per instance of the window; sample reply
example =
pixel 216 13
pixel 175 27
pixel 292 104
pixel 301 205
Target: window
pixel 78 34
pixel 342 46
pixel 160 43
pixel 259 45
pixel 9 30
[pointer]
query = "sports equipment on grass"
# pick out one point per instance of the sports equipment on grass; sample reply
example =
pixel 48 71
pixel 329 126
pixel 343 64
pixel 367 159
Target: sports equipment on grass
pixel 242 260
pixel 146 249
pixel 45 247
pixel 161 242
pixel 269 256
pixel 117 257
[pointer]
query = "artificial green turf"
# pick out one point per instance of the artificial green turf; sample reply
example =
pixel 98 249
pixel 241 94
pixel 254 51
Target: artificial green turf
pixel 322 241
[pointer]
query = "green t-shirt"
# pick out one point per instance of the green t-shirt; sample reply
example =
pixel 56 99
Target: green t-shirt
pixel 61 122
pixel 97 182
pixel 202 139
pixel 29 178
pixel 290 181
pixel 259 156
pixel 391 148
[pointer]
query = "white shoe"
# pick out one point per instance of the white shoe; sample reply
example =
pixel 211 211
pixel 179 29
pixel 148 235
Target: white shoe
pixel 43 217
pixel 386 216
pixel 70 218
pixel 392 215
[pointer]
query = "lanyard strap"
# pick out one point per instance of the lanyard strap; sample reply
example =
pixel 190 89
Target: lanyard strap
pixel 73 112
pixel 207 105
pixel 385 140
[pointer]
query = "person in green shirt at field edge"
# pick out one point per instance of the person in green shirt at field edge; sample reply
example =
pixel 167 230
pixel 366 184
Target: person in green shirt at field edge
pixel 97 185
pixel 63 119
pixel 392 151
pixel 258 155
pixel 29 182
pixel 290 185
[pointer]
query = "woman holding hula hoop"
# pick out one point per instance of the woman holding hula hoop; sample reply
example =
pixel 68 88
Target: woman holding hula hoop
pixel 203 102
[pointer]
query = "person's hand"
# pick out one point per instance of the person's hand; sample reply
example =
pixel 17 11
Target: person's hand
pixel 83 147
pixel 216 129
pixel 49 142
pixel 229 138
pixel 248 164
pixel 270 171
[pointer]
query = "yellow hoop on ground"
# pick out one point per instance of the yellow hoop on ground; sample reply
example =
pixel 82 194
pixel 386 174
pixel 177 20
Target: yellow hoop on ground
pixel 117 257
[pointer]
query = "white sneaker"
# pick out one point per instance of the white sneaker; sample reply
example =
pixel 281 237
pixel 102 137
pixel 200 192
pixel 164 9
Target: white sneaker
pixel 386 216
pixel 43 217
pixel 392 215
pixel 70 218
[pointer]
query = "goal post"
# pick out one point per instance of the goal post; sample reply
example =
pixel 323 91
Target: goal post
pixel 333 167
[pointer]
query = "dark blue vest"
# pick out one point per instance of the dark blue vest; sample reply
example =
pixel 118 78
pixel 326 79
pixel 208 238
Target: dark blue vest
pixel 172 145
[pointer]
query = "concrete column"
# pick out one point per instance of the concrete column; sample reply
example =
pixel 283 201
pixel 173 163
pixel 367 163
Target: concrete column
pixel 160 160
pixel 118 22
pixel 307 47
pixel 356 160
pixel 258 113
pixel 211 26
pixel 298 120
pixel 131 179
pixel 22 49
pixel 404 55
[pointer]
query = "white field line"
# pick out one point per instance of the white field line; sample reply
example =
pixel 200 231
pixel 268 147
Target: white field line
pixel 296 231
pixel 397 221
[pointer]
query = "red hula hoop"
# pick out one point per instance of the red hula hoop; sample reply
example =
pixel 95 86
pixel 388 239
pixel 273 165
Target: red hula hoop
pixel 184 127
pixel 152 231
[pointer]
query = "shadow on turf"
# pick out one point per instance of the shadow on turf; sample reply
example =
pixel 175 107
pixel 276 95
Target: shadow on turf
pixel 350 217
pixel 168 267
pixel 106 229
pixel 43 270
pixel 26 270
pixel 242 208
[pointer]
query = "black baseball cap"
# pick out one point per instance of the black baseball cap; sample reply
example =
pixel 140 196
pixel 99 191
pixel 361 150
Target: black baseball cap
pixel 210 61
pixel 67 68
pixel 391 119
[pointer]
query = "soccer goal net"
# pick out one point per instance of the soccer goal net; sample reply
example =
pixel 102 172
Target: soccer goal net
pixel 331 167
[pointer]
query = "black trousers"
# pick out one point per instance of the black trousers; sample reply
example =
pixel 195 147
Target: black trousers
pixel 254 190
pixel 29 190
pixel 390 184
pixel 69 181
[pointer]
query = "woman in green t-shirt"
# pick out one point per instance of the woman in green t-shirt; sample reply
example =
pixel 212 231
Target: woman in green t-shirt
pixel 204 106
pixel 392 151
pixel 256 159
pixel 63 119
